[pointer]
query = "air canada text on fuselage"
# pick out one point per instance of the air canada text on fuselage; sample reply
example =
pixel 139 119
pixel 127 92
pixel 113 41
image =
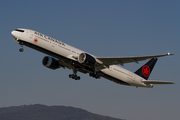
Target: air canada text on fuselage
pixel 49 38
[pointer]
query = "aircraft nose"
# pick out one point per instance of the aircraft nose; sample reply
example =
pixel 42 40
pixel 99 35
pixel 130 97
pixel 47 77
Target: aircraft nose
pixel 13 34
pixel 17 33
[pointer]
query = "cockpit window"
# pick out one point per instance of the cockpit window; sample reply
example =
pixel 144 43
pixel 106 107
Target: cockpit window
pixel 19 30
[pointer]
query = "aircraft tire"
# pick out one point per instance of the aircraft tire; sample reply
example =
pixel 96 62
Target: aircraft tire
pixel 70 75
pixel 78 78
pixel 21 50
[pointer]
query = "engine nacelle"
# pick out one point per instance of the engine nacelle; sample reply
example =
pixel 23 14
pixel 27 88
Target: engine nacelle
pixel 86 59
pixel 50 62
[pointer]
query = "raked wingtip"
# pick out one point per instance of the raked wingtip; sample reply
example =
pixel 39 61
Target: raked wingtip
pixel 169 54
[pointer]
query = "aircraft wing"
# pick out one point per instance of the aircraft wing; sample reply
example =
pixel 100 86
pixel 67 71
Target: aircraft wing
pixel 157 82
pixel 122 60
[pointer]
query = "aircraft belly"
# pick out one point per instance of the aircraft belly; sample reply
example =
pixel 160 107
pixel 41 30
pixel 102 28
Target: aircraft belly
pixel 123 77
pixel 110 75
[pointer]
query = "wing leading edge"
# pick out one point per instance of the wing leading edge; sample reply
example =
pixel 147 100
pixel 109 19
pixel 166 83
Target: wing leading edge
pixel 123 60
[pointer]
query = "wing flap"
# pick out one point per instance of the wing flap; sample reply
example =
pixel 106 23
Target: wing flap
pixel 157 82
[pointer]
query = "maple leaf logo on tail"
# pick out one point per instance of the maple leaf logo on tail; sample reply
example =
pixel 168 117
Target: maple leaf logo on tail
pixel 146 69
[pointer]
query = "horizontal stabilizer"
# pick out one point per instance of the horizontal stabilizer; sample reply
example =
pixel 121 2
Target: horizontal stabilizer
pixel 157 82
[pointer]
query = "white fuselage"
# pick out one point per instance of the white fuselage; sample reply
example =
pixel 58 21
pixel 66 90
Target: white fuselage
pixel 69 52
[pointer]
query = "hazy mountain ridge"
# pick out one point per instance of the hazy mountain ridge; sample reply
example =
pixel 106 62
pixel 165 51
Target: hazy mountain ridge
pixel 43 112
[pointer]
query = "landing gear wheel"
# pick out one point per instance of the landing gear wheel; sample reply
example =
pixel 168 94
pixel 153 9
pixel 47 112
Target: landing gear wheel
pixel 74 77
pixel 94 75
pixel 78 78
pixel 21 50
pixel 90 74
pixel 70 75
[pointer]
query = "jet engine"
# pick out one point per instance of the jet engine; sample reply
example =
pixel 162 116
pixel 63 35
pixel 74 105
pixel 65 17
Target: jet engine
pixel 50 62
pixel 86 59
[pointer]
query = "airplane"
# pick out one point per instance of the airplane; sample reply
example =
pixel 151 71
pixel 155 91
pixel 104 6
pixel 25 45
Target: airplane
pixel 61 55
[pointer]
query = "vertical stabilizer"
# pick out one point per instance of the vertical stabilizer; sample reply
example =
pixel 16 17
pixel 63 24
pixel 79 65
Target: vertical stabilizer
pixel 146 69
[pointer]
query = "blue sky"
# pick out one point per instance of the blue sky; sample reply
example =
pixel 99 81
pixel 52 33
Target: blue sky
pixel 107 28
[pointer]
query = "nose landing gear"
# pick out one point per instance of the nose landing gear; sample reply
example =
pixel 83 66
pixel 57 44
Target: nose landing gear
pixel 21 49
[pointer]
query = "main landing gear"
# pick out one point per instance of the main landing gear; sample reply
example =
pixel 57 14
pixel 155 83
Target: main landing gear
pixel 74 76
pixel 94 75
